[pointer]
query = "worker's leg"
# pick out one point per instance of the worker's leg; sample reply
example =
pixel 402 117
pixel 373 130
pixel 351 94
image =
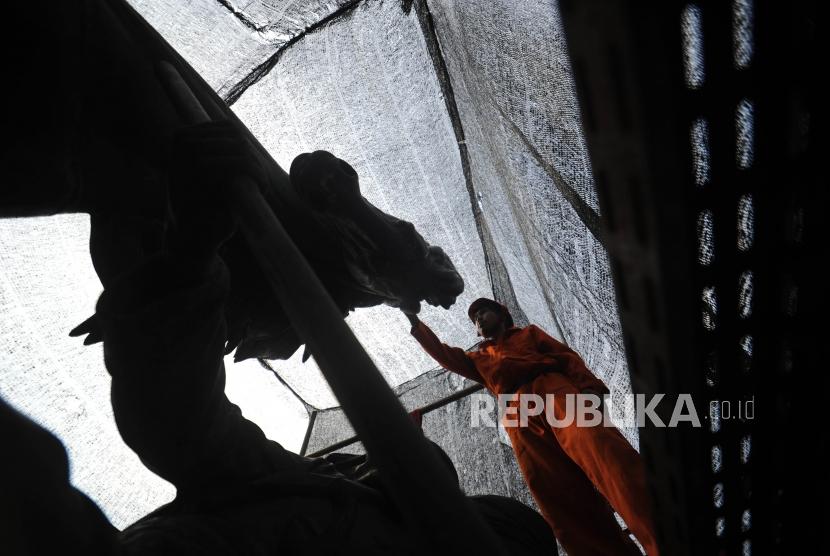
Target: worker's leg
pixel 609 461
pixel 580 518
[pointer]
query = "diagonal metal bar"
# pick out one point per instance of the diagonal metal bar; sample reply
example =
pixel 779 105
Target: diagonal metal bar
pixel 586 214
pixel 424 410
pixel 417 481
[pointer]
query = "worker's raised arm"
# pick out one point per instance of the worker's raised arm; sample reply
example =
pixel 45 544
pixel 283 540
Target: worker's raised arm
pixel 571 364
pixel 451 358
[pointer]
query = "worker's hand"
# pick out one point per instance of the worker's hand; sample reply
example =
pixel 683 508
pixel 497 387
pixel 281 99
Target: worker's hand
pixel 205 161
pixel 413 318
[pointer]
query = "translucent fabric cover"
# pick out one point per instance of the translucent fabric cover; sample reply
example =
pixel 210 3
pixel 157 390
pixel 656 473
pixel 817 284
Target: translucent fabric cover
pixel 362 85
pixel 481 455
pixel 513 85
pixel 364 89
pixel 47 287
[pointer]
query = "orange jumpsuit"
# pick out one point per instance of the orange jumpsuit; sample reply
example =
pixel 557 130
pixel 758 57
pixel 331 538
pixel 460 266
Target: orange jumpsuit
pixel 561 465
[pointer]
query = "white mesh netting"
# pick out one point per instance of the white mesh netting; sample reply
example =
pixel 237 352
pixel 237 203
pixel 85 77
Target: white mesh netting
pixel 363 86
pixel 518 106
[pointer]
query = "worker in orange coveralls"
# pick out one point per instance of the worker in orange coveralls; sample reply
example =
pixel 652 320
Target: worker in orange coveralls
pixel 564 466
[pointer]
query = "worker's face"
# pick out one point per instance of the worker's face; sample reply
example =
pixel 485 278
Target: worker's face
pixel 488 322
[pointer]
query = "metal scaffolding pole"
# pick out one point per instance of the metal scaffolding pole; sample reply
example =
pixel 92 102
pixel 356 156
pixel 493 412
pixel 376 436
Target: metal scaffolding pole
pixel 417 481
